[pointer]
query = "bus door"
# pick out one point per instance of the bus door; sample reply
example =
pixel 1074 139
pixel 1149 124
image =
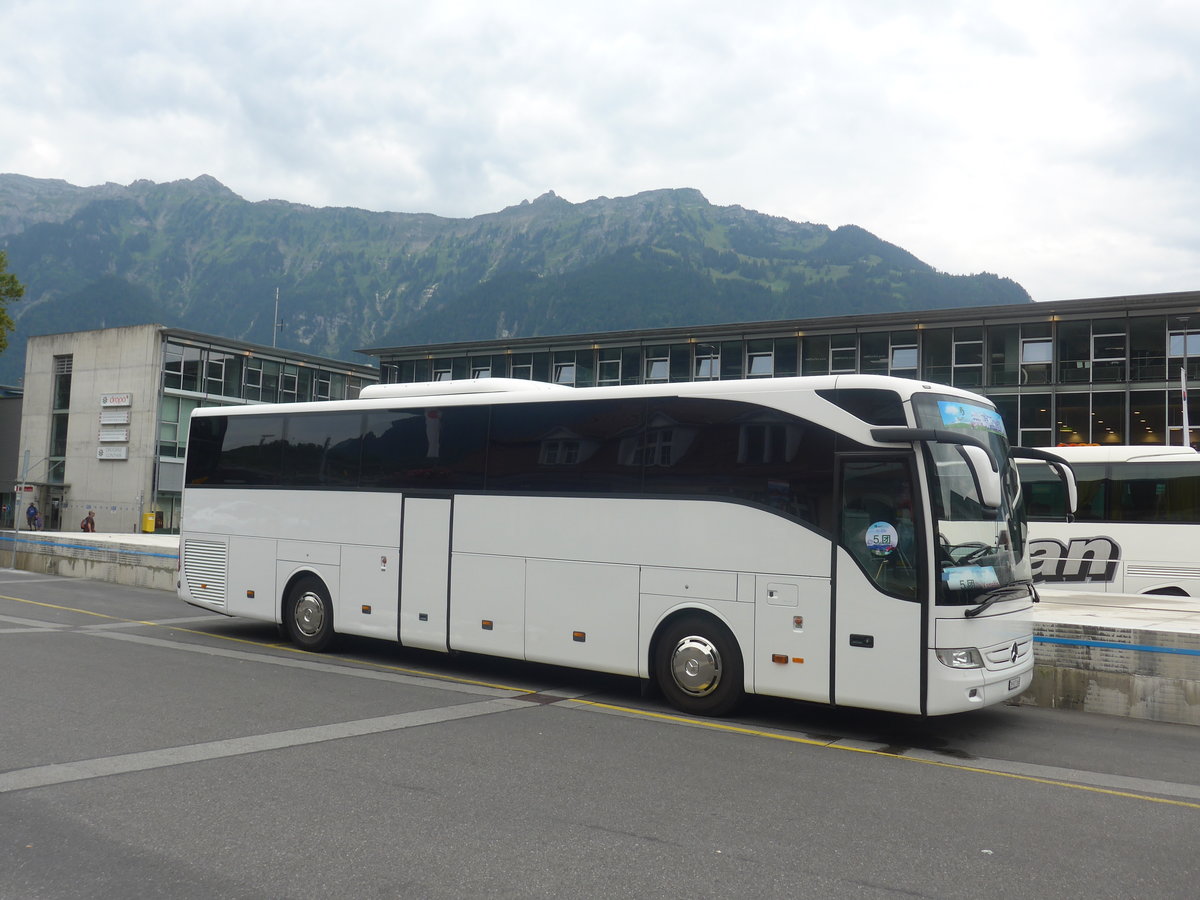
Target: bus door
pixel 425 572
pixel 878 617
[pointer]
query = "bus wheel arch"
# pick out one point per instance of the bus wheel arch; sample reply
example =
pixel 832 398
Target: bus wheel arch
pixel 1168 591
pixel 697 664
pixel 308 612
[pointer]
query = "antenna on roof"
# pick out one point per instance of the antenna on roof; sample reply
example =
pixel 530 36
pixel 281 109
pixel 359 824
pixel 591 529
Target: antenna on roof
pixel 278 323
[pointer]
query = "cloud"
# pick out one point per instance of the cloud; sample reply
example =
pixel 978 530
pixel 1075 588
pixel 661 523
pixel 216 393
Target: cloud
pixel 1051 143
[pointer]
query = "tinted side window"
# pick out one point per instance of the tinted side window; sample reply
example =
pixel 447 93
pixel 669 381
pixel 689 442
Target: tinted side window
pixel 236 450
pixel 205 435
pixel 725 448
pixel 1155 492
pixel 1093 492
pixel 566 447
pixel 322 449
pixel 432 448
pixel 872 405
pixel 1043 491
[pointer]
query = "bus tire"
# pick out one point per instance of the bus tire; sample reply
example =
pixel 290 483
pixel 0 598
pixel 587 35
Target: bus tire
pixel 698 666
pixel 308 614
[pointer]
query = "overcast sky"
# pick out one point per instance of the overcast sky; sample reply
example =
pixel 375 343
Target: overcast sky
pixel 1053 142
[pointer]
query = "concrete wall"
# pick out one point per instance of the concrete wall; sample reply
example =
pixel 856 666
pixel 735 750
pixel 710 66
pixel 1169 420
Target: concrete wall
pixel 111 361
pixel 149 561
pixel 1103 667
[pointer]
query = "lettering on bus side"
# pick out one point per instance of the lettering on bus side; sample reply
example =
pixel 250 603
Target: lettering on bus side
pixel 1087 559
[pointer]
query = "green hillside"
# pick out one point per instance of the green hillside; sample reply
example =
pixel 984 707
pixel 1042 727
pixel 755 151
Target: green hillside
pixel 193 254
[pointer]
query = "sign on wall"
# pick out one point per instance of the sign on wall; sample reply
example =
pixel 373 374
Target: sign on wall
pixel 114 434
pixel 112 453
pixel 125 399
pixel 114 417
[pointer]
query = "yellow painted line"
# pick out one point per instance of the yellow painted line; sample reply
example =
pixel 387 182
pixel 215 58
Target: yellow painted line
pixel 641 713
pixel 274 646
pixel 83 612
pixel 829 745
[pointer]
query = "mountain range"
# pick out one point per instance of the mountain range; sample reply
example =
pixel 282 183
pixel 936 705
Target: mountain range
pixel 193 254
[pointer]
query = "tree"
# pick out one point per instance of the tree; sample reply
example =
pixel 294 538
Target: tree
pixel 10 289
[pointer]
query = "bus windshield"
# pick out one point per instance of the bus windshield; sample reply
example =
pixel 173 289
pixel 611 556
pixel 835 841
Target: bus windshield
pixel 980 550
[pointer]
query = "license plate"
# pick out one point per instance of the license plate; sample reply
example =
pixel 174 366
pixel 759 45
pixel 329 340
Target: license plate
pixel 1014 683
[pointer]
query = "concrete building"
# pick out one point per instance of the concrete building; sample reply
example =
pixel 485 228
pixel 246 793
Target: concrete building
pixel 10 432
pixel 1101 370
pixel 105 415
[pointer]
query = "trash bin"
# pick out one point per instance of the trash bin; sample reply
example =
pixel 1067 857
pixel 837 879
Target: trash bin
pixel 148 520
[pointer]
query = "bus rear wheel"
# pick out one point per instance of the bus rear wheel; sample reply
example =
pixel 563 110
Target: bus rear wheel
pixel 698 667
pixel 308 615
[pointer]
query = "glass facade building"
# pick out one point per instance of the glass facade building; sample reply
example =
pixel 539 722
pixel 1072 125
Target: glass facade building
pixel 1092 371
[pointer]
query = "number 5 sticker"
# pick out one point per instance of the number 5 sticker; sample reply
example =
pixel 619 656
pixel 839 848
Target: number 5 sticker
pixel 881 539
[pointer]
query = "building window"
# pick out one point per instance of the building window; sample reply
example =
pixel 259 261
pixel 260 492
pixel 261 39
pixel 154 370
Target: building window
pixel 442 370
pixel 182 367
pixel 253 380
pixel 608 367
pixel 814 358
pixel 564 367
pixel 174 416
pixel 522 366
pixel 1038 351
pixel 1035 421
pixel 843 354
pixel 968 357
pixel 707 364
pixel 1108 350
pixel 56 462
pixel 1184 343
pixel 484 371
pixel 873 353
pixel 270 380
pixel 760 359
pixel 288 385
pixel 658 364
pixel 1183 348
pixel 905 356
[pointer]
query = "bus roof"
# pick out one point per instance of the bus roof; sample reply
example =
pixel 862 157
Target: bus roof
pixel 1122 453
pixel 490 390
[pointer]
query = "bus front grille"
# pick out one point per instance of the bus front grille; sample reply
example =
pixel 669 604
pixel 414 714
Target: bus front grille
pixel 205 568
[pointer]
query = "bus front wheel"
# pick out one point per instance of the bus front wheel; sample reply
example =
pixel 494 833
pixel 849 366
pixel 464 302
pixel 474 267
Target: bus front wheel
pixel 308 616
pixel 698 666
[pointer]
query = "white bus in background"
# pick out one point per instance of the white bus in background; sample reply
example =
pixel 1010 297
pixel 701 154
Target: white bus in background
pixel 850 540
pixel 1134 530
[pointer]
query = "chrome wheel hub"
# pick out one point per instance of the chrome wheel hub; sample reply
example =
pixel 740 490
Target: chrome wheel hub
pixel 309 614
pixel 696 666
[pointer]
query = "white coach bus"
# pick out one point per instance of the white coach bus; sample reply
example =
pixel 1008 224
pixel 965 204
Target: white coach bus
pixel 1134 530
pixel 850 540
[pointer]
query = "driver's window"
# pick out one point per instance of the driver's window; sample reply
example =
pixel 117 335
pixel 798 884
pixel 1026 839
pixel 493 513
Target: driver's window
pixel 877 522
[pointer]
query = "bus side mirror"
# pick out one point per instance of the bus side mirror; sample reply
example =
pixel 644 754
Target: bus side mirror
pixel 1067 476
pixel 987 479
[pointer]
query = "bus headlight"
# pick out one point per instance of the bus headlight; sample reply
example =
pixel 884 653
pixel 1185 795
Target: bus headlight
pixel 960 658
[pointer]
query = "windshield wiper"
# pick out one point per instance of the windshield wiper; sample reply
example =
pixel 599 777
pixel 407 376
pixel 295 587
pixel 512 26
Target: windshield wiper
pixel 1010 592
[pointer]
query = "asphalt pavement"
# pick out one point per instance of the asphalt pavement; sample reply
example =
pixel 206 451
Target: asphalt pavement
pixel 150 749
